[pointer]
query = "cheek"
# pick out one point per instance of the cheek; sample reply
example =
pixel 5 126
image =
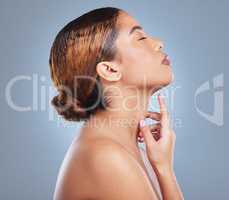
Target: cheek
pixel 145 73
pixel 140 64
pixel 133 75
pixel 146 59
pixel 143 67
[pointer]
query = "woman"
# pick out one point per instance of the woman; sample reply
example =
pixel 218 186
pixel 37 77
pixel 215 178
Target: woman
pixel 106 68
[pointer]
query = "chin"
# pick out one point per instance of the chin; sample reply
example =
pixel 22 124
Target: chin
pixel 163 82
pixel 168 79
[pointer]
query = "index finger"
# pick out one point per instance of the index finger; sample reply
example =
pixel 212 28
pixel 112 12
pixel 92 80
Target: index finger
pixel 164 112
pixel 162 104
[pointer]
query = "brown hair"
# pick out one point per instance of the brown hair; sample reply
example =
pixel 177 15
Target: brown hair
pixel 76 50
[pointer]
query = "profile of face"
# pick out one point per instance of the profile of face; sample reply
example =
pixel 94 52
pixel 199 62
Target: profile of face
pixel 106 49
pixel 140 58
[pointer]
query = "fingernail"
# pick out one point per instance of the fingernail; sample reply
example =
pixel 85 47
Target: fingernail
pixel 142 123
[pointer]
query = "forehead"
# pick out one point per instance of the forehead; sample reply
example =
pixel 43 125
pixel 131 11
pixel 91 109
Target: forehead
pixel 126 22
pixel 124 42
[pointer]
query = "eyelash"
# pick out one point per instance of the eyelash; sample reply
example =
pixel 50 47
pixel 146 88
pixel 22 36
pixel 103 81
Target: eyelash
pixel 142 38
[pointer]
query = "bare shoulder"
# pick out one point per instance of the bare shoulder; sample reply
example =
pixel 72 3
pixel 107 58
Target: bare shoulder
pixel 99 168
pixel 116 174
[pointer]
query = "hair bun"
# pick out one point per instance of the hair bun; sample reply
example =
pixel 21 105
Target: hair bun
pixel 69 107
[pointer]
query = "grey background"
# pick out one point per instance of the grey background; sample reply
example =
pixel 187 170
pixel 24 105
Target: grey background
pixel 33 144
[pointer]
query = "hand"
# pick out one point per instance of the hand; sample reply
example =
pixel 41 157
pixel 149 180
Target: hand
pixel 155 129
pixel 159 138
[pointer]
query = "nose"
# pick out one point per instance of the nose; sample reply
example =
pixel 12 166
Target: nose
pixel 158 44
pixel 161 45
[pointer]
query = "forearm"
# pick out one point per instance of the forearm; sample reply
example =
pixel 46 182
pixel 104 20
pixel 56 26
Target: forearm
pixel 168 184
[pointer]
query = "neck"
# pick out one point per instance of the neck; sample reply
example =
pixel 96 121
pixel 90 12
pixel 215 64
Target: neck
pixel 123 115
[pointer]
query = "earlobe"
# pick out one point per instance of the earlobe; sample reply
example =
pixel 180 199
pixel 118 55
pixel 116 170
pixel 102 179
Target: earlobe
pixel 108 71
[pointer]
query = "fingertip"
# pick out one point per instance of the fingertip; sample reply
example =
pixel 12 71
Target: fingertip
pixel 162 103
pixel 140 134
pixel 142 123
pixel 140 139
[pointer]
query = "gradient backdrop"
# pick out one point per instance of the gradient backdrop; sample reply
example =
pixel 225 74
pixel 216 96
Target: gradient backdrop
pixel 33 140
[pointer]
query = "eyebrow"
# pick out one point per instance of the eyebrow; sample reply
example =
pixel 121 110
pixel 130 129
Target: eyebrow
pixel 135 28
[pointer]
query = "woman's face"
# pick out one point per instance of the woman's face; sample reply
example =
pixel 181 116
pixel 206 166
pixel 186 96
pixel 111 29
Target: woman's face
pixel 140 56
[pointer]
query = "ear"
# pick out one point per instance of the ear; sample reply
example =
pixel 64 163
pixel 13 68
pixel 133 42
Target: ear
pixel 108 71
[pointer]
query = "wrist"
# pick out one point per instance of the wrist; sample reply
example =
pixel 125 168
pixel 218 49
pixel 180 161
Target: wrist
pixel 164 170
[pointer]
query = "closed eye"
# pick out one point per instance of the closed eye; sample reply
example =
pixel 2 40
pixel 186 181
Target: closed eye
pixel 142 38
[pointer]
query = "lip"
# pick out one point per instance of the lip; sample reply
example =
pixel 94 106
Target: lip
pixel 166 60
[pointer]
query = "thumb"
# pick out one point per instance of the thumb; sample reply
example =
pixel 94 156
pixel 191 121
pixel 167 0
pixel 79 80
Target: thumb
pixel 148 137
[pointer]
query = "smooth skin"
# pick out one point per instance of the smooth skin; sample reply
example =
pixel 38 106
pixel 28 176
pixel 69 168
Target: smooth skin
pixel 160 152
pixel 104 161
